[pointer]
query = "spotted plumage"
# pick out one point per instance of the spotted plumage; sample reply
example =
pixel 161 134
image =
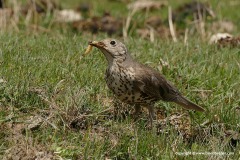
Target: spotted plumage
pixel 135 83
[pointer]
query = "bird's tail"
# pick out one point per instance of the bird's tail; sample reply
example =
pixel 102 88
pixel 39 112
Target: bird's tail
pixel 182 101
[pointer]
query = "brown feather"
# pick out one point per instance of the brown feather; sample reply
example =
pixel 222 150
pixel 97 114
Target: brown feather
pixel 182 101
pixel 155 85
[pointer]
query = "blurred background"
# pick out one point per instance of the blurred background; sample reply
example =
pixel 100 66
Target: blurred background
pixel 148 19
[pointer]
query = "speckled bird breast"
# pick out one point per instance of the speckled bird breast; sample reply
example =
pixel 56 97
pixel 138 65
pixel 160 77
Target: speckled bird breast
pixel 121 82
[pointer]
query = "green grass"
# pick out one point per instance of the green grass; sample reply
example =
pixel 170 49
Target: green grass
pixel 45 76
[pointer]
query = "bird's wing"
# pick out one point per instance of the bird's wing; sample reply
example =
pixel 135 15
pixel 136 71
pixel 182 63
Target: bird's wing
pixel 154 84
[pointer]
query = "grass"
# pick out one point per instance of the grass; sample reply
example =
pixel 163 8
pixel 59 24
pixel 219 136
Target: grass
pixel 43 75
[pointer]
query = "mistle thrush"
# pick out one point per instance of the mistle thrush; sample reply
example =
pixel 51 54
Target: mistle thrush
pixel 137 84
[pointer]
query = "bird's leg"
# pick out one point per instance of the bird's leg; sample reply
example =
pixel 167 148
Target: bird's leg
pixel 151 114
pixel 136 112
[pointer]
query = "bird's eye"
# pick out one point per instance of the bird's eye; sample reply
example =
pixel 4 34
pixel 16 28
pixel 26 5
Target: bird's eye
pixel 112 42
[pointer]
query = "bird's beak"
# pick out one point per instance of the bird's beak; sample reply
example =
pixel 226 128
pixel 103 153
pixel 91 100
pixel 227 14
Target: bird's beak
pixel 97 44
pixel 100 45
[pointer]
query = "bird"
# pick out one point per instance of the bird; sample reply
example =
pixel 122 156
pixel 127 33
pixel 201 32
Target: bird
pixel 137 84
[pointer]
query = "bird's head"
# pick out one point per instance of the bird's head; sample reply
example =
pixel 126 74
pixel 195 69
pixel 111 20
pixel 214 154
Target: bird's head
pixel 113 49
